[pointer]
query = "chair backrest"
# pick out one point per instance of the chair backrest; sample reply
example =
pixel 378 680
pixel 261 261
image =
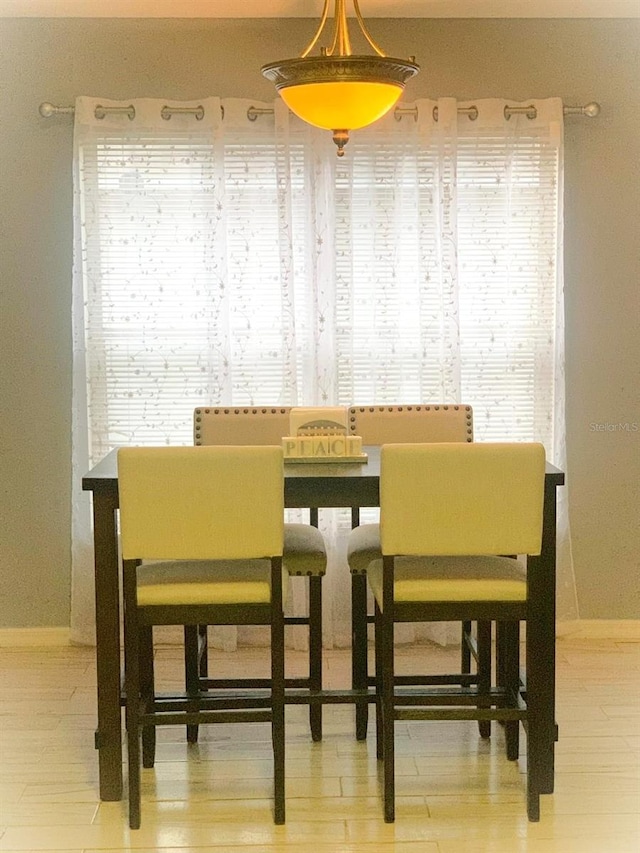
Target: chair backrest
pixel 226 425
pixel 415 423
pixel 454 499
pixel 199 503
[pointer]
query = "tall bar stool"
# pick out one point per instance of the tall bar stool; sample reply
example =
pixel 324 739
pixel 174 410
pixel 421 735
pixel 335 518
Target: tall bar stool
pixel 304 549
pixel 379 425
pixel 212 520
pixel 447 513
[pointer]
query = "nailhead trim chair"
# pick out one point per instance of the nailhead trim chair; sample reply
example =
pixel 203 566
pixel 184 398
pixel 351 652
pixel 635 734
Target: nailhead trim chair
pixel 442 422
pixel 211 519
pixel 379 425
pixel 304 547
pixel 447 513
pixel 240 425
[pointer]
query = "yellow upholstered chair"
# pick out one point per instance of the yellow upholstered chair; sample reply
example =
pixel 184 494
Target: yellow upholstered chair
pixel 378 425
pixel 211 521
pixel 447 513
pixel 304 548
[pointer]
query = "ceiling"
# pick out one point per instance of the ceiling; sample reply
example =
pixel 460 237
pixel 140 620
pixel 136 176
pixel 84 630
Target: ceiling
pixel 313 8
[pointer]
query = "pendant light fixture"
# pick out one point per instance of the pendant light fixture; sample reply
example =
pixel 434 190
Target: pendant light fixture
pixel 339 90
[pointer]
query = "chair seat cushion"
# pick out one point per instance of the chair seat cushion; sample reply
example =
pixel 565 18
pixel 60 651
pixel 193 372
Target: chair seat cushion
pixel 304 551
pixel 206 582
pixel 453 579
pixel 363 547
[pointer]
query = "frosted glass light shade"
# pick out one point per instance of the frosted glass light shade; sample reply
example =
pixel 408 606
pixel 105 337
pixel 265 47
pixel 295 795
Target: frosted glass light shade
pixel 343 105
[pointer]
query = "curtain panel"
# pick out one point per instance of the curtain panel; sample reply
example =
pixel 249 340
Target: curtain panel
pixel 225 256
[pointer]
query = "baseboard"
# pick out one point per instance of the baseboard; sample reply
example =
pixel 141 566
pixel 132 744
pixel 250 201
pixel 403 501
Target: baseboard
pixel 588 629
pixel 599 629
pixel 26 637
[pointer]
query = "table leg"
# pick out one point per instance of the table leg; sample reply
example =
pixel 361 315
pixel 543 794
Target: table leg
pixel 359 665
pixel 109 733
pixel 543 591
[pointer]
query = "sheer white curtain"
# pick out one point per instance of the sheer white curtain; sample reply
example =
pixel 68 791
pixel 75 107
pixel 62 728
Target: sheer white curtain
pixel 227 257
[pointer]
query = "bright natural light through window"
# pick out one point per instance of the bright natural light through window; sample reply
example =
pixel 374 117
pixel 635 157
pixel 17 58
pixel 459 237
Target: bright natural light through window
pixel 251 269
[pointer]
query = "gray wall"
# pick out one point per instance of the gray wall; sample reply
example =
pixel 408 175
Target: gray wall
pixel 55 60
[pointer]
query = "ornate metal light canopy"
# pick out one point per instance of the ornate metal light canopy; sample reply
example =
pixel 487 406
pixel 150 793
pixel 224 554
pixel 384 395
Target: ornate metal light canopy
pixel 338 90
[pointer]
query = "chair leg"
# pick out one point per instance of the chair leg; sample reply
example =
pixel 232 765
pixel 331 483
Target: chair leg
pixel 536 734
pixel 465 651
pixel 277 705
pixel 501 652
pixel 385 625
pixel 133 762
pixel 359 665
pixel 278 756
pixel 484 672
pixel 203 651
pixel 378 672
pixel 147 691
pixel 132 691
pixel 191 671
pixel 315 654
pixel 508 675
pixel 533 802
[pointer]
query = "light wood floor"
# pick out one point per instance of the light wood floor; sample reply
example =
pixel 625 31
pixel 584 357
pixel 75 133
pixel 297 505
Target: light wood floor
pixel 457 794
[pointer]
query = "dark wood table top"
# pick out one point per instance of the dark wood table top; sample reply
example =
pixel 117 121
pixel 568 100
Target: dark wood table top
pixel 307 484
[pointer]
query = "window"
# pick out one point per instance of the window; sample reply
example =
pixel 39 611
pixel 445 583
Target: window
pixel 245 264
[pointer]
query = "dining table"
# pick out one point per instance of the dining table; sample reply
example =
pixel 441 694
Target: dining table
pixel 314 486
